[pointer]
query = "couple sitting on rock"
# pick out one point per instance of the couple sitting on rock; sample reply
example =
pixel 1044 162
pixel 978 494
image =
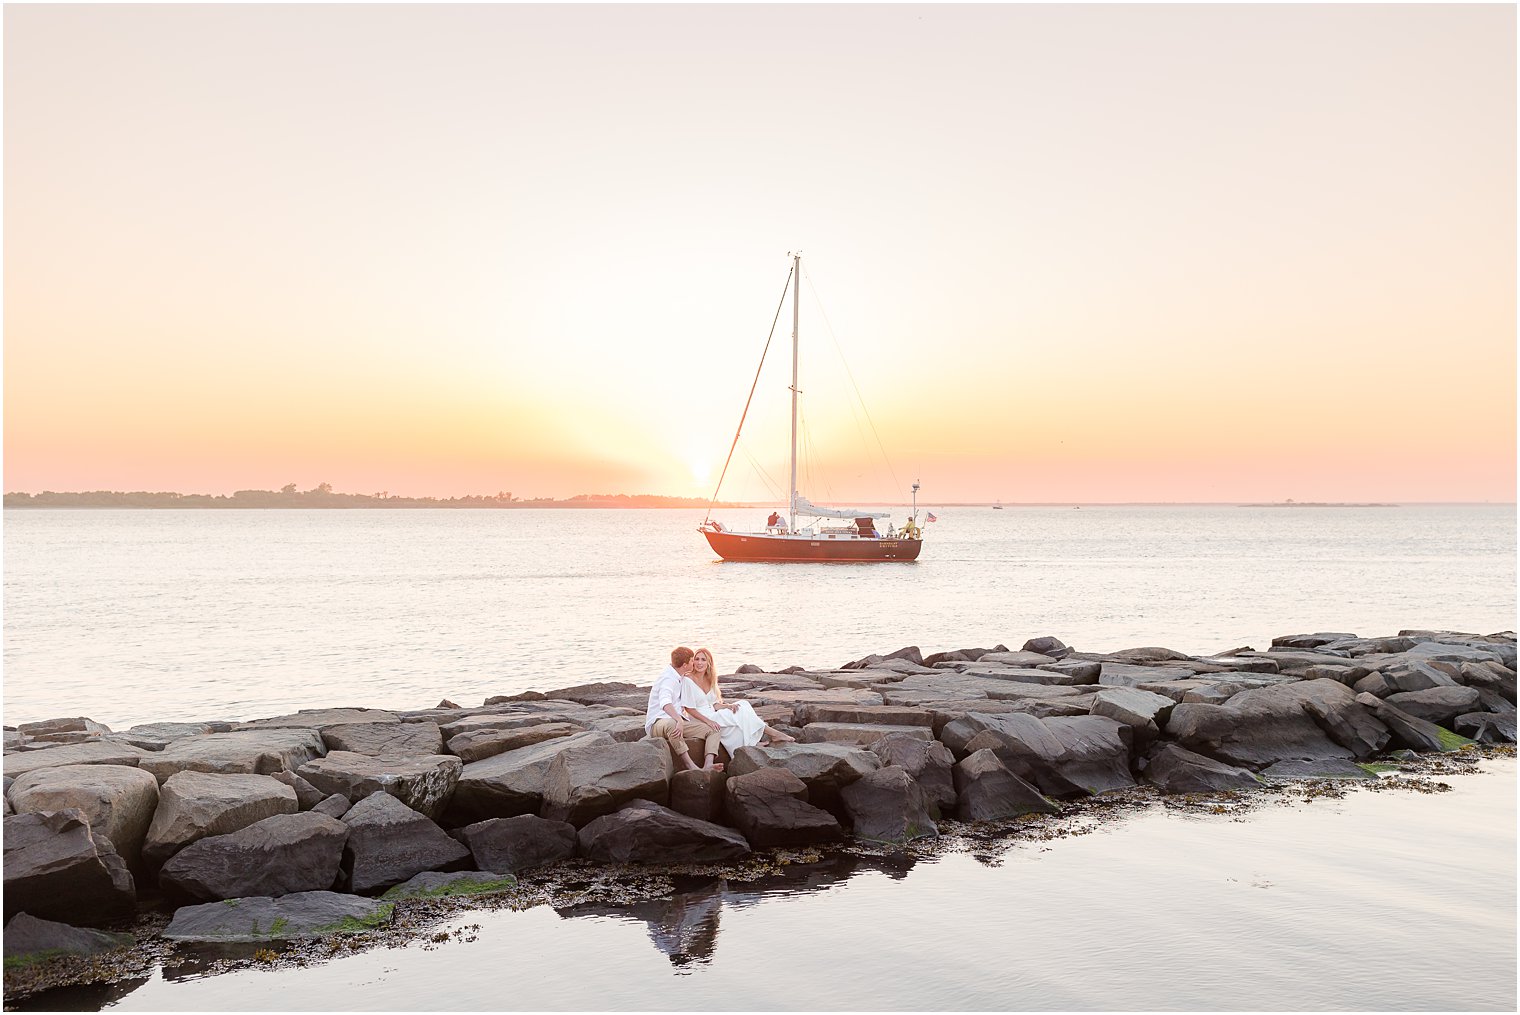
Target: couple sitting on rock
pixel 687 709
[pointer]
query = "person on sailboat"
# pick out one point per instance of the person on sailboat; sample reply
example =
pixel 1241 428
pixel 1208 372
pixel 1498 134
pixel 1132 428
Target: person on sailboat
pixel 736 723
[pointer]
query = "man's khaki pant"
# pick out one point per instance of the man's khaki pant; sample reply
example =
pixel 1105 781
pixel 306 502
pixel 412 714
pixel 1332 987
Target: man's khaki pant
pixel 698 739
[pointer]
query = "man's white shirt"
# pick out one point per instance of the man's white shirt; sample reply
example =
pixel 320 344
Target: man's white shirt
pixel 666 691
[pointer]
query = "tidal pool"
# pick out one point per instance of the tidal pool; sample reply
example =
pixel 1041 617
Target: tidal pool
pixel 1391 899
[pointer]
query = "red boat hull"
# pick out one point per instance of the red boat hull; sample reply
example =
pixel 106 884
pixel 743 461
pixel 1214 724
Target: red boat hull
pixel 763 546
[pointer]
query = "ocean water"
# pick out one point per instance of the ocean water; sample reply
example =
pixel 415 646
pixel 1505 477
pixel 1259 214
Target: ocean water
pixel 1396 901
pixel 141 616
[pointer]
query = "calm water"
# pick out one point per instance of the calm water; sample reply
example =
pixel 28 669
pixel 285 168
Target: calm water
pixel 1383 901
pixel 137 616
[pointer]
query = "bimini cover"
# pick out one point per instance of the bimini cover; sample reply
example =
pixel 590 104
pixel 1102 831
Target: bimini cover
pixel 807 507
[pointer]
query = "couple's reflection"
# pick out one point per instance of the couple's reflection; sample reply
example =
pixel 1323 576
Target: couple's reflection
pixel 685 925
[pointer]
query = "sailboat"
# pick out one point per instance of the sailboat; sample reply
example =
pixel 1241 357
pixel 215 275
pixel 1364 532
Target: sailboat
pixel 998 506
pixel 783 539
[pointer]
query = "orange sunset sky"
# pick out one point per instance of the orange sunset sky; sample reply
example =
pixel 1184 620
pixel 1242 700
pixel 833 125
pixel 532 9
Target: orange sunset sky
pixel 1069 253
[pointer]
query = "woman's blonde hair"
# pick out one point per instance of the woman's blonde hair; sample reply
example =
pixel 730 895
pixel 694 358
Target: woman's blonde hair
pixel 712 674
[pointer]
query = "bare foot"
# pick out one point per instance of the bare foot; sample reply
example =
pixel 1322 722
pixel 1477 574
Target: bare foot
pixel 716 766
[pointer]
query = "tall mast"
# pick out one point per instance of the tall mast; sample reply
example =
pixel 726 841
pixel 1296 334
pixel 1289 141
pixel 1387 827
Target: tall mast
pixel 796 293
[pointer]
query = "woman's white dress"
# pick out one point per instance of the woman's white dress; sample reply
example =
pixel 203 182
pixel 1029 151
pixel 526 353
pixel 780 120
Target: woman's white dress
pixel 737 727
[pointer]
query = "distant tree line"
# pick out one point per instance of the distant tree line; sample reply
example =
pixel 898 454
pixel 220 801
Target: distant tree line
pixel 322 496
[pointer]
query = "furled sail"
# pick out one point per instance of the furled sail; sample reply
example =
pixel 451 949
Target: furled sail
pixel 807 507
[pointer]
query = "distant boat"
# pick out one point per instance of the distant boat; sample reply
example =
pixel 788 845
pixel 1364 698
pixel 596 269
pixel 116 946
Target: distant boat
pixel 998 506
pixel 782 539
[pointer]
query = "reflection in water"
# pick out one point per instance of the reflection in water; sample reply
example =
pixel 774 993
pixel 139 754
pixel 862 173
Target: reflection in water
pixel 685 926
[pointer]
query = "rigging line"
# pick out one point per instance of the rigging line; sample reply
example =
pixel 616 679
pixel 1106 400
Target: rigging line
pixel 740 428
pixel 849 373
pixel 772 487
pixel 817 476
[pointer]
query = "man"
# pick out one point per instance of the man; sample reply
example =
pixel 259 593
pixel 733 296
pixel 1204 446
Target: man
pixel 663 718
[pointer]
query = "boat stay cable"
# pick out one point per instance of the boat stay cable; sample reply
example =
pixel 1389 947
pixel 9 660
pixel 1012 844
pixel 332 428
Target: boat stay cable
pixel 740 428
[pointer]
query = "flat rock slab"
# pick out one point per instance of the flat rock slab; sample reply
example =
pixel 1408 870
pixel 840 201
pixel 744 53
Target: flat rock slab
pixel 644 832
pixel 282 855
pixel 321 718
pixel 858 734
pixel 194 805
pixel 1026 675
pixel 1175 769
pixel 251 752
pixel 959 685
pixel 385 739
pixel 29 940
pixel 625 729
pixel 514 844
pixel 99 752
pixel 117 801
pixel 287 918
pixel 833 696
pixel 477 744
pixel 438 885
pixel 1118 674
pixel 1333 768
pixel 885 715
pixel 424 783
pixel 156 736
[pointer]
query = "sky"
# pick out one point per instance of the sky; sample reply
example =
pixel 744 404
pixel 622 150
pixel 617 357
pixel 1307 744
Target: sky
pixel 1050 253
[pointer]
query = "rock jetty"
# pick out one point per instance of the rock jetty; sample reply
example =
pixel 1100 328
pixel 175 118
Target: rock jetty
pixel 315 823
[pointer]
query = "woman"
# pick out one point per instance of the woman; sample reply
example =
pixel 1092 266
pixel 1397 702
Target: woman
pixel 736 722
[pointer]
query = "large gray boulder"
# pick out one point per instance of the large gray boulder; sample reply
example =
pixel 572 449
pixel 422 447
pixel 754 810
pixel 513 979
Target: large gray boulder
pixel 888 805
pixel 511 783
pixel 55 869
pixel 826 769
pixel 474 745
pixel 645 832
pixel 587 782
pixel 384 739
pixel 698 793
pixel 509 845
pixel 928 761
pixel 1259 727
pixel 117 801
pixel 1344 719
pixel 1143 711
pixel 251 752
pixel 273 857
pixel 770 807
pixel 880 715
pixel 389 842
pixel 1046 645
pixel 1175 769
pixel 987 791
pixel 1410 674
pixel 423 783
pixel 29 940
pixel 98 752
pixel 193 805
pixel 307 795
pixel 1487 727
pixel 1411 731
pixel 293 917
pixel 1439 705
pixel 1062 756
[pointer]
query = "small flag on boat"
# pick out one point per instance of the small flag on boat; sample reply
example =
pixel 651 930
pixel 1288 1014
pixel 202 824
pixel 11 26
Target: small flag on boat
pixel 931 517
